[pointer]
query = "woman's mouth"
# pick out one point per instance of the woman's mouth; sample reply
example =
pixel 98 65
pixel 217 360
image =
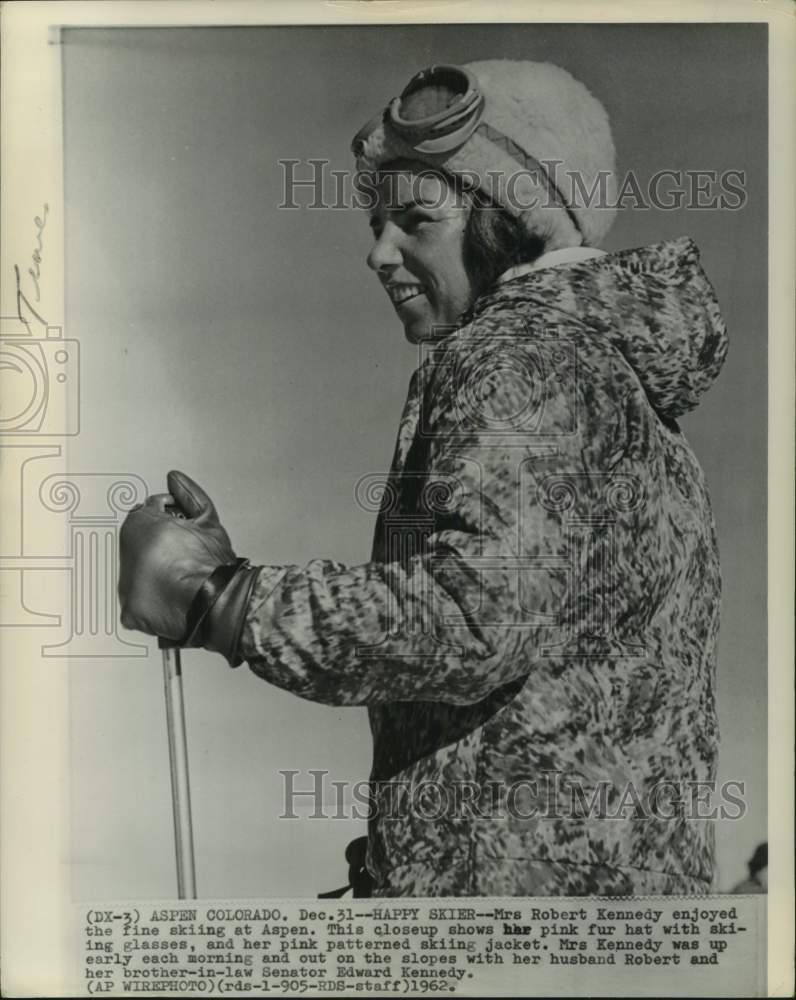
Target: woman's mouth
pixel 399 294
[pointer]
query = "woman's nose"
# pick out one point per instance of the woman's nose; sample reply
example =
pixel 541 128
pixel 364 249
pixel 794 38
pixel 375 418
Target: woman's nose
pixel 385 250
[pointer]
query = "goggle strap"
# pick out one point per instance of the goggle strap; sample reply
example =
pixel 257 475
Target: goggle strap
pixel 497 138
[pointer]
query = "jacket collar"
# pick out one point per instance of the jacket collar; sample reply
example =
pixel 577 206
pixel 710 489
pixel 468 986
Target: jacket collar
pixel 553 258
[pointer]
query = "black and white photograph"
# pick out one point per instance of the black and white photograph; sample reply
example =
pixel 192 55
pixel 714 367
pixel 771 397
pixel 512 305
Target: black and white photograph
pixel 388 434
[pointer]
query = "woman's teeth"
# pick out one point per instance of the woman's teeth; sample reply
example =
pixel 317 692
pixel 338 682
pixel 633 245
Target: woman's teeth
pixel 402 293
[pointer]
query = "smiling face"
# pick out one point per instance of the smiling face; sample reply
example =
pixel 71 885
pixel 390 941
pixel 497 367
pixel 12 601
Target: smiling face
pixel 418 225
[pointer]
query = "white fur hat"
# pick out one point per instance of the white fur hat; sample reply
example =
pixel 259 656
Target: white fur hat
pixel 542 150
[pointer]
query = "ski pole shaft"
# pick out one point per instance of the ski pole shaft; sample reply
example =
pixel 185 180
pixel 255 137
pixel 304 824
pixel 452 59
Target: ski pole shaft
pixel 178 759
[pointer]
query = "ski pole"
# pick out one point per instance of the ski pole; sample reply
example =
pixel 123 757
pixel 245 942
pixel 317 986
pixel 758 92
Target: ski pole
pixel 178 760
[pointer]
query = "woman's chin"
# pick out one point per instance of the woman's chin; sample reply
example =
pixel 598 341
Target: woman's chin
pixel 420 328
pixel 417 331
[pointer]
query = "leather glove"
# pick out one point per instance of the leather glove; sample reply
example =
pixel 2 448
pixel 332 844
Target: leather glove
pixel 165 560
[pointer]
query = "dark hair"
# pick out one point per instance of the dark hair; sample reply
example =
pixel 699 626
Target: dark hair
pixel 494 241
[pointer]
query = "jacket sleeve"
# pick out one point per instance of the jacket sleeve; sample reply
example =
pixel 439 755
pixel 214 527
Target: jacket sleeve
pixel 489 587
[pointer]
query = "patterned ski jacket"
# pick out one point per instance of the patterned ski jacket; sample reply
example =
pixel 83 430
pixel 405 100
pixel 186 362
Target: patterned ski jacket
pixel 535 634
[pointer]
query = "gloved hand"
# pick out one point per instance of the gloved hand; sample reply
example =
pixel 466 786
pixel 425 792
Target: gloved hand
pixel 165 560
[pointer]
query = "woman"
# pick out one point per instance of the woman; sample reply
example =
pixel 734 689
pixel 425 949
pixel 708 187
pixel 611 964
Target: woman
pixel 534 636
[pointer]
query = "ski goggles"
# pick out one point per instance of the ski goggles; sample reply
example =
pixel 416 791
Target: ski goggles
pixel 440 132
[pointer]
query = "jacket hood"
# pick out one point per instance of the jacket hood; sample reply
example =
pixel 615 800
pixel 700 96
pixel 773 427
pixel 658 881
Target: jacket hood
pixel 654 304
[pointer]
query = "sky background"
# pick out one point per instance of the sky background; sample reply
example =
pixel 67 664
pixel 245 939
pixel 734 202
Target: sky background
pixel 252 348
